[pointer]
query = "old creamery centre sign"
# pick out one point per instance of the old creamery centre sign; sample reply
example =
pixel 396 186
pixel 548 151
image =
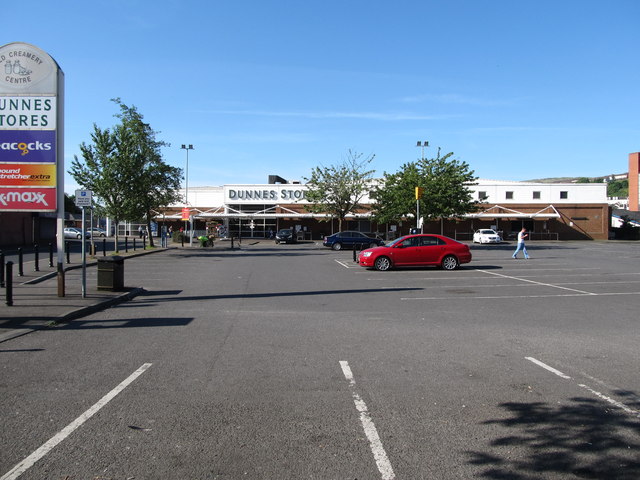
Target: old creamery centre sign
pixel 285 193
pixel 25 67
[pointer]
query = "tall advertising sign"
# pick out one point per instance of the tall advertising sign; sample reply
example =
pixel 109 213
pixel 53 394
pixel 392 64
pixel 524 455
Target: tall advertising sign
pixel 32 134
pixel 28 129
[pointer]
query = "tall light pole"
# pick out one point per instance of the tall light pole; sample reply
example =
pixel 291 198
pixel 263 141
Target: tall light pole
pixel 186 195
pixel 420 190
pixel 419 144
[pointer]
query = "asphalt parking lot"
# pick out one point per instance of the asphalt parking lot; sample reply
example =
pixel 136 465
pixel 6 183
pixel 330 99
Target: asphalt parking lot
pixel 291 361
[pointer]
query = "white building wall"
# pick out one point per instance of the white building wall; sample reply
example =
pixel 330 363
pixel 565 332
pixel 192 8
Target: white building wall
pixel 549 193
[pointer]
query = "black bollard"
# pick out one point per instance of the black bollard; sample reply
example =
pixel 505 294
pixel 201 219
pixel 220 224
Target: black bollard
pixel 20 261
pixel 1 270
pixel 134 244
pixel 66 248
pixel 36 258
pixel 232 242
pixel 104 247
pixel 126 244
pixel 9 282
pixel 182 239
pixel 144 242
pixel 50 255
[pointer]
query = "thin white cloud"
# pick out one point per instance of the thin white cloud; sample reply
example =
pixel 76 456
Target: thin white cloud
pixel 456 99
pixel 384 116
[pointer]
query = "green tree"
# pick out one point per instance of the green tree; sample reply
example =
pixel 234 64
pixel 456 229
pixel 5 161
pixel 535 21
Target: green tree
pixel 70 204
pixel 123 167
pixel 337 190
pixel 444 181
pixel 158 183
pixel 618 188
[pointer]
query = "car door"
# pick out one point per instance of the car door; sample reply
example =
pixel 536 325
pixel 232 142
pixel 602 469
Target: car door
pixel 407 252
pixel 431 250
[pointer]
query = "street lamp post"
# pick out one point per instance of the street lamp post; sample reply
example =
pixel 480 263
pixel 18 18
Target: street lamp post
pixel 186 195
pixel 419 190
pixel 419 144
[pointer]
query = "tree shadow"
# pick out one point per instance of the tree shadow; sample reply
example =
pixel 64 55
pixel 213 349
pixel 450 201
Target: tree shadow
pixel 583 439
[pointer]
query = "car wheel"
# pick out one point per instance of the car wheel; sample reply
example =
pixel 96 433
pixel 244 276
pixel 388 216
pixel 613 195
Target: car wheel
pixel 382 264
pixel 336 246
pixel 450 262
pixel 79 237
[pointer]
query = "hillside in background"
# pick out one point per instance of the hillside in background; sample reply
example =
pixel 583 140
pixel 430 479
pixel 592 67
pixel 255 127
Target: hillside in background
pixel 615 188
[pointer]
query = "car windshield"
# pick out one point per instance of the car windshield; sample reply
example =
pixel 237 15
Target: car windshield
pixel 397 241
pixel 487 232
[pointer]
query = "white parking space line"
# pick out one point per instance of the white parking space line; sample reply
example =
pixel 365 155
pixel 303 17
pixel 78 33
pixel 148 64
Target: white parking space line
pixel 547 367
pixel 509 297
pixel 537 283
pixel 600 395
pixel 379 454
pixel 345 264
pixel 28 462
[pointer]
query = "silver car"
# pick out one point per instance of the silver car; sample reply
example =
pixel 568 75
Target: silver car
pixel 72 232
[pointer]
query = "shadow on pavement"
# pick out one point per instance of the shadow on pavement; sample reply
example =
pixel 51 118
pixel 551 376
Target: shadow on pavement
pixel 582 439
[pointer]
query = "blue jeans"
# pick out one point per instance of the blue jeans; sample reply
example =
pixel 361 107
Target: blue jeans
pixel 521 247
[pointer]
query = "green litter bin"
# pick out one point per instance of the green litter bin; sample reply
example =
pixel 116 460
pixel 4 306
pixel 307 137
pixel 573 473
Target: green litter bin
pixel 111 273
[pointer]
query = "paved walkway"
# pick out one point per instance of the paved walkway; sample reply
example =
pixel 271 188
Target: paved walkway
pixel 36 303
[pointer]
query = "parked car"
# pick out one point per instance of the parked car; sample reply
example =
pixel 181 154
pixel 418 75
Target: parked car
pixel 417 250
pixel 72 232
pixel 97 232
pixel 486 235
pixel 348 239
pixel 285 235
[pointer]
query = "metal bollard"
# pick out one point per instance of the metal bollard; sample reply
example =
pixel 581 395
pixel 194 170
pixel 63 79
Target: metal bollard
pixel 126 244
pixel 9 282
pixel 66 249
pixel 134 244
pixel 20 261
pixel 182 239
pixel 354 252
pixel 104 247
pixel 36 258
pixel 144 242
pixel 1 270
pixel 232 242
pixel 50 255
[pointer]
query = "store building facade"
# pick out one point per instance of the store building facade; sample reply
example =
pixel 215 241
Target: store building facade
pixel 549 211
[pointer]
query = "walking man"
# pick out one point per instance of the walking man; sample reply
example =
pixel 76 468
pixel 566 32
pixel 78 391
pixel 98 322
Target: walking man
pixel 521 246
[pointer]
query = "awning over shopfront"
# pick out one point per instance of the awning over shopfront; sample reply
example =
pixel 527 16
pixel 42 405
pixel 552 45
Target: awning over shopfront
pixel 498 211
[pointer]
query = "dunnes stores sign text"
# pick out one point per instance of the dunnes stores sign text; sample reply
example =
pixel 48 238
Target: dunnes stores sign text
pixel 283 194
pixel 25 113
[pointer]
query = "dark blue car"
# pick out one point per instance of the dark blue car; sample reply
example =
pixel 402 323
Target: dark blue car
pixel 348 239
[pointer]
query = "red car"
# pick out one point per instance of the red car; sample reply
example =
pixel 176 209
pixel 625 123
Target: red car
pixel 417 250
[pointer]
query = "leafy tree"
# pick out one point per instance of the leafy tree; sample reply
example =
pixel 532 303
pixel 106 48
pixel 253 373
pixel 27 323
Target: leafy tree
pixel 157 184
pixel 338 189
pixel 444 181
pixel 618 188
pixel 70 204
pixel 123 167
pixel 583 180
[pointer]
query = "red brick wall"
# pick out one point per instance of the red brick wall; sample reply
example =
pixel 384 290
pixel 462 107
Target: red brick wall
pixel 634 167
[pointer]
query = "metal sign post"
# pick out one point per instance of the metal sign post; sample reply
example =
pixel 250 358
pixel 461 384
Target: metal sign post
pixel 83 200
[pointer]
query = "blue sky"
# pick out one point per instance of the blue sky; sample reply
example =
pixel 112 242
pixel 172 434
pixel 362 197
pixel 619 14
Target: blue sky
pixel 517 89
